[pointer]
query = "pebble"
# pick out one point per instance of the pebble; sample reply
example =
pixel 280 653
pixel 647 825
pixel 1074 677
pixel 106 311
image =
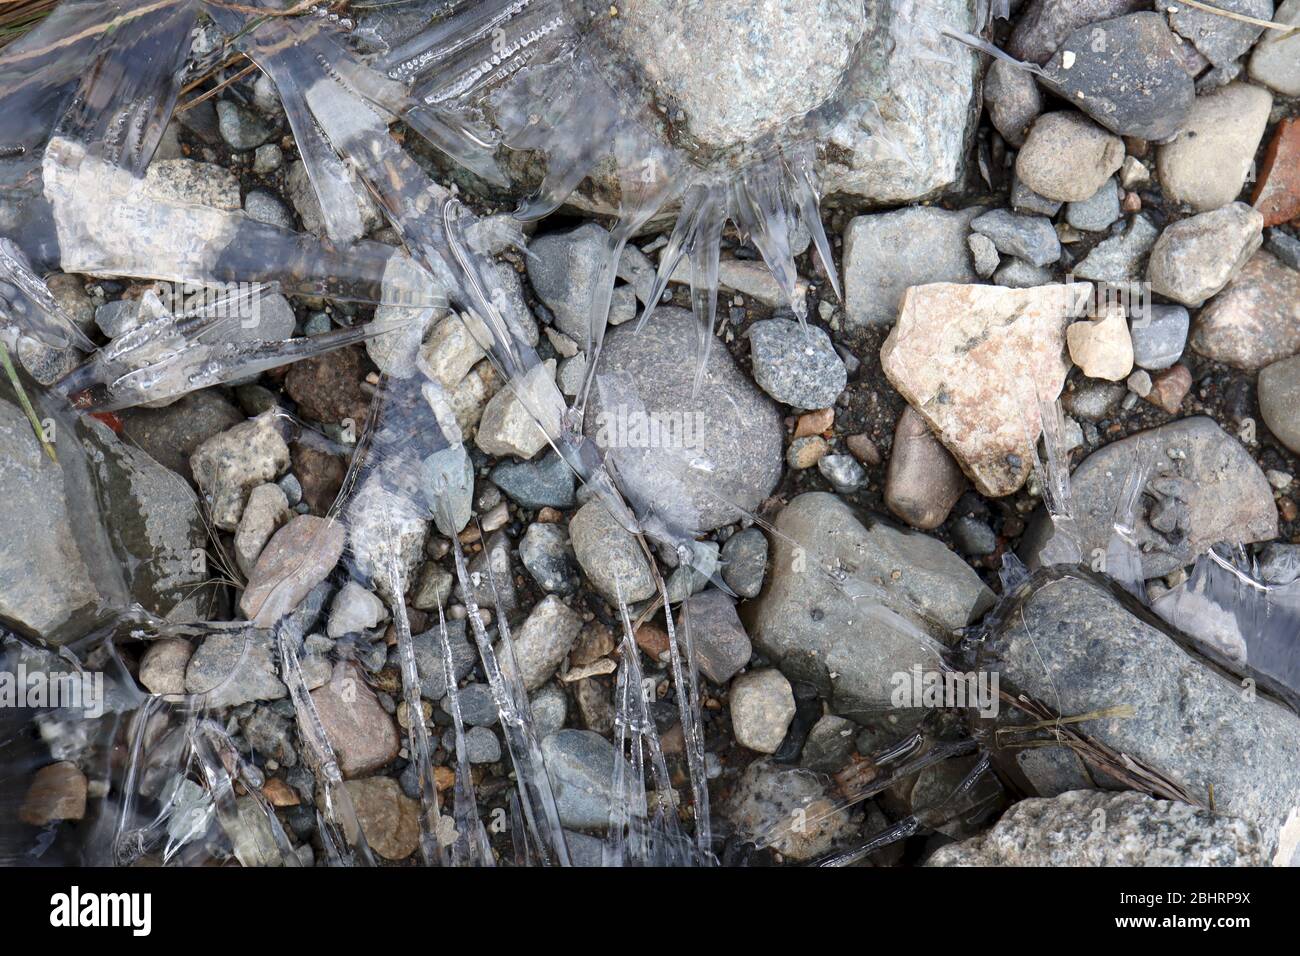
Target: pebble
pixel 984 254
pixel 762 707
pixel 189 181
pixel 1169 388
pixel 264 207
pixel 744 562
pixel 1214 488
pixel 240 127
pixel 581 766
pixel 863 449
pixel 548 556
pixel 234 668
pixel 722 647
pixel 478 708
pixel 1277 192
pixel 1160 336
pixel 806 452
pixel 1025 200
pixel 768 798
pixel 609 555
pixel 447 480
pixel 735 435
pixel 429 662
pixel 1219 39
pixel 1067 157
pixel 230 464
pixel 975 361
pixel 265 513
pixel 795 364
pixel 1102 347
pixel 829 745
pixel 162 667
pixel 1030 238
pixel 1140 831
pixel 1196 257
pixel 507 426
pixel 1255 321
pixel 885 253
pixel 1098 213
pixel 923 480
pixel 1139 383
pixel 550 709
pixel 362 734
pixel 1013 100
pixel 267 159
pixel 973 537
pixel 57 792
pixel 843 472
pixel 386 531
pixel 1276 60
pixel 814 423
pixel 543 641
pixel 433 587
pixel 354 611
pixel 297 558
pixel 389 819
pixel 1279 400
pixel 1121 259
pixel 482 745
pixel 1126 73
pixel 564 267
pixel 545 483
pixel 1017 274
pixel 1207 165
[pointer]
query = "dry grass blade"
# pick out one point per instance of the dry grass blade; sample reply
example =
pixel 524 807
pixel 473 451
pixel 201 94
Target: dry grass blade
pixel 17 17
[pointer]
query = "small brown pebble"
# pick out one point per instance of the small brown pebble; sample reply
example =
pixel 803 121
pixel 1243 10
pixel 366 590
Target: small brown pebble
pixel 652 640
pixel 594 642
pixel 1132 203
pixel 549 515
pixel 58 792
pixel 443 778
pixel 1169 388
pixel 814 423
pixel 1137 148
pixel 280 794
pixel 1288 509
pixel 806 452
pixel 470 535
pixel 863 449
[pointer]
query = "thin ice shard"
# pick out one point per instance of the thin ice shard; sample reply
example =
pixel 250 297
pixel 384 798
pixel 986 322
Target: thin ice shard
pixel 29 308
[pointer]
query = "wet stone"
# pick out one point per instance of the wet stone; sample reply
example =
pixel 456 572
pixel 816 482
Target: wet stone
pixel 295 560
pixel 581 766
pixel 547 482
pixel 360 731
pixel 57 792
pixel 235 668
pixel 744 562
pixel 722 647
pixel 795 364
pixel 765 802
pixel 546 553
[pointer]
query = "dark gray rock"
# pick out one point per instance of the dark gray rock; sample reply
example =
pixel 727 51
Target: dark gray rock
pixel 1098 213
pixel 1279 400
pixel 1069 642
pixel 973 537
pixel 1204 488
pixel 722 647
pixel 829 744
pixel 478 708
pixel 1044 24
pixel 1125 73
pixel 848 604
pixel 429 661
pixel 1030 238
pixel 1012 99
pixel 482 745
pixel 735 435
pixel 796 364
pixel 744 562
pixel 545 483
pixel 546 553
pixel 1121 259
pixel 1219 39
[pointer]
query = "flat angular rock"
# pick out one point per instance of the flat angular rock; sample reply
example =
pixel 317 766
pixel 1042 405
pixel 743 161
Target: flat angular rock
pixel 389 819
pixel 975 361
pixel 715 453
pixel 295 560
pixel 885 253
pixel 848 604
pixel 1208 490
pixel 1219 39
pixel 1255 321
